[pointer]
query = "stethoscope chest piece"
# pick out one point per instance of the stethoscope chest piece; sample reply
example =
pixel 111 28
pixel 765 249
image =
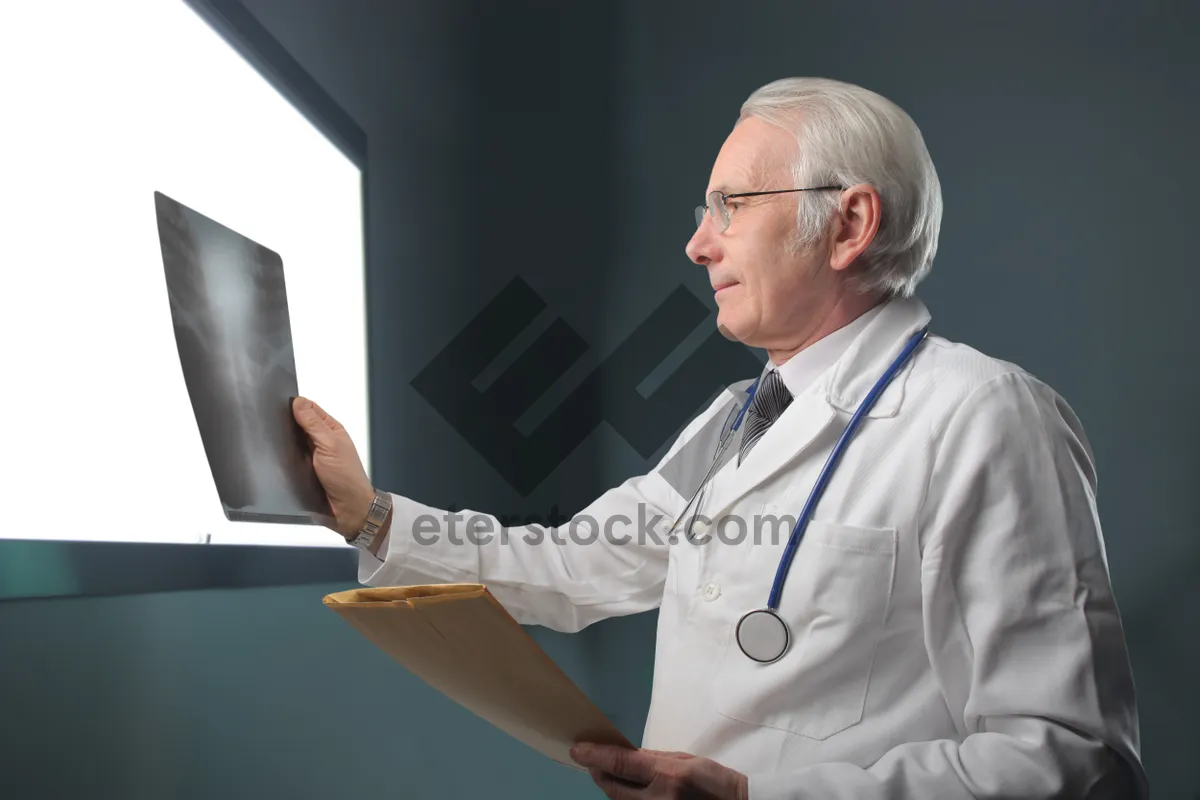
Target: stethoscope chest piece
pixel 763 636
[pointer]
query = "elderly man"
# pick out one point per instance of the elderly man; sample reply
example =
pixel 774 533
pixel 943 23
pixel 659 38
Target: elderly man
pixel 938 622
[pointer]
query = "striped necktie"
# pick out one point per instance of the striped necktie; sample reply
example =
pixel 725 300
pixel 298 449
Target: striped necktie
pixel 770 400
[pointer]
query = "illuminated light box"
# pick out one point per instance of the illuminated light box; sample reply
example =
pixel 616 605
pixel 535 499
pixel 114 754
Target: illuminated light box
pixel 106 104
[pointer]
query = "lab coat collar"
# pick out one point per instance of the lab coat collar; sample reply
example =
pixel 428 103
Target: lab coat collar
pixel 869 356
pixel 842 388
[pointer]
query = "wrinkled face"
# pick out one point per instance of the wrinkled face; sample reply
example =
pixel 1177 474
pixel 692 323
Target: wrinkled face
pixel 768 294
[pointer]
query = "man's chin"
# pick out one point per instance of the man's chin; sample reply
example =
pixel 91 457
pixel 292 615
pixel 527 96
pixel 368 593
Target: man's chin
pixel 728 332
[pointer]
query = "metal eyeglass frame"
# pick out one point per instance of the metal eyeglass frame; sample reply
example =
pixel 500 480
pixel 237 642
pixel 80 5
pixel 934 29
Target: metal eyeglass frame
pixel 717 199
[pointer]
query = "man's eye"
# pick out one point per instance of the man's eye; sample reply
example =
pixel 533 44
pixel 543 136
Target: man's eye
pixel 734 204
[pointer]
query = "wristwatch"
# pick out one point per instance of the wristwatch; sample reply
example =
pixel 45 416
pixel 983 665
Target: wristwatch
pixel 380 506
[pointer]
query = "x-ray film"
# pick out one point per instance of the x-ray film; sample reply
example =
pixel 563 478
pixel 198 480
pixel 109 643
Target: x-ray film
pixel 232 329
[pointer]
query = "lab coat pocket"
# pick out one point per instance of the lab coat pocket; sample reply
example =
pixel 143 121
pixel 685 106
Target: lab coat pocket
pixel 835 601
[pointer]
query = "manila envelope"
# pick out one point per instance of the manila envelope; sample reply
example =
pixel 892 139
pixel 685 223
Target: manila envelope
pixel 461 641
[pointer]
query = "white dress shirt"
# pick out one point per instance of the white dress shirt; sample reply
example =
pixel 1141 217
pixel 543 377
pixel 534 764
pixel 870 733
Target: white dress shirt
pixel 954 629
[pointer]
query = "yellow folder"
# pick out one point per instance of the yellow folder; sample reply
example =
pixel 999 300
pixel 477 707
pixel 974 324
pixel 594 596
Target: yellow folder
pixel 462 642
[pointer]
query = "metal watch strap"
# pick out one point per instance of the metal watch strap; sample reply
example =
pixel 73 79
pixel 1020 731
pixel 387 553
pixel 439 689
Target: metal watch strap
pixel 380 507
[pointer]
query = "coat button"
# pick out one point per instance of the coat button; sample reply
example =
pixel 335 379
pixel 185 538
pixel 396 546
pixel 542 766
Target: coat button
pixel 699 527
pixel 711 591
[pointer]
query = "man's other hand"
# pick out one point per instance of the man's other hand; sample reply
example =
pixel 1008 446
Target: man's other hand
pixel 338 466
pixel 624 774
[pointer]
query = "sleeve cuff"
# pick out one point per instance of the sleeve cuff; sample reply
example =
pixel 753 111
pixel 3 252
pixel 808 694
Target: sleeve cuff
pixel 417 550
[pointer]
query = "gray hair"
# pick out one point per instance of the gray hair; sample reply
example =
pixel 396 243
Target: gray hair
pixel 849 135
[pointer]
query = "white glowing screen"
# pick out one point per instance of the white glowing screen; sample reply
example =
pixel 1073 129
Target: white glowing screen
pixel 105 103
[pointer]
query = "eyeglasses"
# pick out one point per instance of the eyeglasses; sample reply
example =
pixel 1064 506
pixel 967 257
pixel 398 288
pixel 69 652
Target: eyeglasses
pixel 720 212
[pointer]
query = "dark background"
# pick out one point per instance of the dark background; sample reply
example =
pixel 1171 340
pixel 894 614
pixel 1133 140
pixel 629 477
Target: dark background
pixel 567 143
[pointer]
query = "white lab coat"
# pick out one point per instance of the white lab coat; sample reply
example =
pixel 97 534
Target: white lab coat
pixel 955 631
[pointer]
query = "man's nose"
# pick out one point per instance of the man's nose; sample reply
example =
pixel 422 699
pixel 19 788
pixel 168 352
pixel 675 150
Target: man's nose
pixel 700 247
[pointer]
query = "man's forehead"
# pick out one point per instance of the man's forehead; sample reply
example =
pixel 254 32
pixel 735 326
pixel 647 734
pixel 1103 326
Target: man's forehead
pixel 753 153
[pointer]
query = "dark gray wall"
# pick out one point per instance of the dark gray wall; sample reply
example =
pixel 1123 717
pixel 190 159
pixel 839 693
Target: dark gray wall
pixel 567 148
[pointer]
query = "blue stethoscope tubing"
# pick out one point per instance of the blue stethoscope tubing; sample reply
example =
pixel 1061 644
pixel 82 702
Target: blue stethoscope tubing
pixel 762 634
pixel 789 552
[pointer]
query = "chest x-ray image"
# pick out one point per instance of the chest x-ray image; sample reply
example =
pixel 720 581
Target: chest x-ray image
pixel 232 329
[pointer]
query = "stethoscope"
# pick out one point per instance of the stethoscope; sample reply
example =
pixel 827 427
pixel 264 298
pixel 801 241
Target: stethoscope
pixel 762 634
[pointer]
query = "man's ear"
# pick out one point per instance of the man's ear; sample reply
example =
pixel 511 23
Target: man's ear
pixel 859 215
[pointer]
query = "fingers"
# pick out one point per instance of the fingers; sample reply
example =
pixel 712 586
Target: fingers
pixel 624 774
pixel 314 419
pixel 621 762
pixel 327 418
pixel 668 754
pixel 309 421
pixel 615 788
